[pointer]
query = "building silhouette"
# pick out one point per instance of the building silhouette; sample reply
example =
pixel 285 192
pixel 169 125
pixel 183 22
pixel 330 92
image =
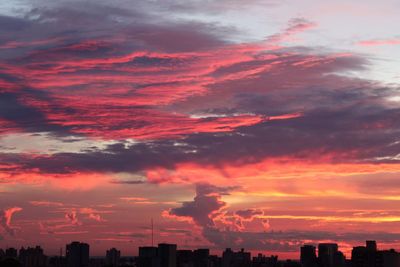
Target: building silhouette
pixel 308 256
pixel 163 255
pixel 167 254
pixel 235 259
pixel 148 257
pixel 388 258
pixel 11 253
pixel 113 257
pixel 201 257
pixel 185 258
pixel 264 261
pixel 370 256
pixel 326 254
pixel 32 257
pixel 77 254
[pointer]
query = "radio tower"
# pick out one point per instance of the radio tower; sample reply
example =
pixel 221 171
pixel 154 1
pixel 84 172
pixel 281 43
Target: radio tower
pixel 152 233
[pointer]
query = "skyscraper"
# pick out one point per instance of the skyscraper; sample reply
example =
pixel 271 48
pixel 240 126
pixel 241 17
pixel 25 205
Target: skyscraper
pixel 112 257
pixel 148 257
pixel 326 254
pixel 201 257
pixel 167 254
pixel 358 256
pixel 371 245
pixel 11 253
pixel 77 254
pixel 32 257
pixel 235 259
pixel 371 253
pixel 227 257
pixel 308 256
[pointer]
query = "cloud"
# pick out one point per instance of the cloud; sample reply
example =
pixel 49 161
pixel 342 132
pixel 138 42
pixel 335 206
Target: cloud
pixel 249 214
pixel 303 106
pixel 380 42
pixel 72 217
pixel 5 219
pixel 295 26
pixel 92 214
pixel 89 213
pixel 146 201
pixel 248 95
pixel 221 227
pixel 205 206
pixel 130 182
pixel 46 203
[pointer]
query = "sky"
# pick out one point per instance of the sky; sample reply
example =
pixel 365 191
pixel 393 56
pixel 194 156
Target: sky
pixel 261 124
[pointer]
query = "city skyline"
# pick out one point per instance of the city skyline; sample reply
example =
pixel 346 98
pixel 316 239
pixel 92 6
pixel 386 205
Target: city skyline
pixel 262 124
pixel 77 254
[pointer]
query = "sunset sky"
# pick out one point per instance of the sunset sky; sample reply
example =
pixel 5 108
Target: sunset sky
pixel 263 124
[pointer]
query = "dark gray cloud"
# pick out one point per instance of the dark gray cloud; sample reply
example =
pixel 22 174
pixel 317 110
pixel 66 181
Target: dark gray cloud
pixel 207 204
pixel 25 116
pixel 324 132
pixel 127 182
pixel 248 213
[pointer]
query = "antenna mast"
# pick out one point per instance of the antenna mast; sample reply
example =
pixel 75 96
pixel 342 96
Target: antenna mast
pixel 152 233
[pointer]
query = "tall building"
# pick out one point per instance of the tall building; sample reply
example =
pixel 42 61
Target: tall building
pixel 308 256
pixel 113 257
pixel 326 254
pixel 148 257
pixel 167 254
pixel 370 256
pixel 227 257
pixel 201 257
pixel 77 254
pixel 235 259
pixel 11 253
pixel 339 260
pixel 389 258
pixel 184 258
pixel 371 245
pixel 32 257
pixel 371 253
pixel 264 261
pixel 358 256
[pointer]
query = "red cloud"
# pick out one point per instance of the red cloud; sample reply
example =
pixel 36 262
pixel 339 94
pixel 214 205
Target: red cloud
pixel 5 220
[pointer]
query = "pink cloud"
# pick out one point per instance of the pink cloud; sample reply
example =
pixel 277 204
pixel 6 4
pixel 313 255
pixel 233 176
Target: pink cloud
pixel 92 214
pixel 295 26
pixel 72 217
pixel 5 220
pixel 380 42
pixel 46 203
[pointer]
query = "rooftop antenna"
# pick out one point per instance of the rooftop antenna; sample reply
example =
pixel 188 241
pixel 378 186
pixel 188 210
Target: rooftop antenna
pixel 152 233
